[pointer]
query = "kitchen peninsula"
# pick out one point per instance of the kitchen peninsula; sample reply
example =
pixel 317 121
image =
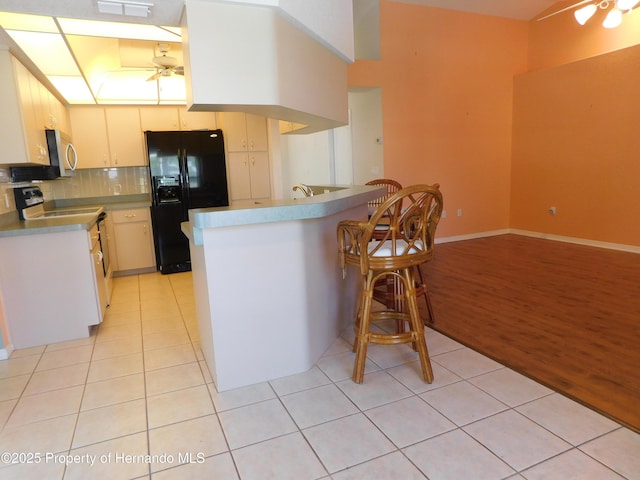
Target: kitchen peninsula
pixel 270 294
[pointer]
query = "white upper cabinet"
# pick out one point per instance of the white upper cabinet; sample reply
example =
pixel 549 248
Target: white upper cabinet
pixel 163 119
pixel 247 144
pixel 107 136
pixel 21 120
pixel 244 132
pixel 159 119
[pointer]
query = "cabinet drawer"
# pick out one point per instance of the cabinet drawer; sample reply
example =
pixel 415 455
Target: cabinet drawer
pixel 132 215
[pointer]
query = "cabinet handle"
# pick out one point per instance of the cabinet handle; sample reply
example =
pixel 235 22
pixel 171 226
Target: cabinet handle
pixel 144 228
pixel 251 145
pixel 115 158
pixel 42 152
pixel 130 215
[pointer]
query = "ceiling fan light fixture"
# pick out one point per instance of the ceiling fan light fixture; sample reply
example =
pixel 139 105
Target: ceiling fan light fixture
pixel 583 14
pixel 613 18
pixel 627 5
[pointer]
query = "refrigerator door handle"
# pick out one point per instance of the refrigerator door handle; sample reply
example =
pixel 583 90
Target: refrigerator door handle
pixel 186 167
pixel 184 170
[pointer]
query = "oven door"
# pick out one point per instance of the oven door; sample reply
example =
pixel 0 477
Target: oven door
pixel 104 242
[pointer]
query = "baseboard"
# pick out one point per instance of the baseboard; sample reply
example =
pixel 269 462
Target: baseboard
pixel 579 241
pixel 6 352
pixel 558 238
pixel 135 271
pixel 471 236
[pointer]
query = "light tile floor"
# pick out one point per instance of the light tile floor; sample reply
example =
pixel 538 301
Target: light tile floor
pixel 135 400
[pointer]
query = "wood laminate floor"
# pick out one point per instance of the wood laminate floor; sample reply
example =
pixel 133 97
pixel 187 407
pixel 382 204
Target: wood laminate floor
pixel 566 315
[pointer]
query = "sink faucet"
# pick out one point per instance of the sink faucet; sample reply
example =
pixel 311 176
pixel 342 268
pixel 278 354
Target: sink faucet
pixel 305 189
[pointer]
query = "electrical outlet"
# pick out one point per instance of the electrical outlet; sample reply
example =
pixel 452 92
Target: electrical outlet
pixel 459 212
pixel 443 214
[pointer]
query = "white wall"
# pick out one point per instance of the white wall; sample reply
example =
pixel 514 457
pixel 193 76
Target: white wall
pixel 367 135
pixel 328 21
pixel 270 67
pixel 350 155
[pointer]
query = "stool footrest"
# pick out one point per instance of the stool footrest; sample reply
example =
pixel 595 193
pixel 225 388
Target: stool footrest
pixel 392 338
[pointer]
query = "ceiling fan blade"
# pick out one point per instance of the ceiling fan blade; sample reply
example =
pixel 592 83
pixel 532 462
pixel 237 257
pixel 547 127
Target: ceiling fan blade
pixel 179 70
pixel 155 76
pixel 570 7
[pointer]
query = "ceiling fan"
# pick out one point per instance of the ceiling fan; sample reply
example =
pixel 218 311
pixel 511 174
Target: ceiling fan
pixel 589 7
pixel 165 65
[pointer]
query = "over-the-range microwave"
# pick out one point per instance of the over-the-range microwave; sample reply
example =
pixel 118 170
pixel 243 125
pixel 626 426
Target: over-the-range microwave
pixel 62 155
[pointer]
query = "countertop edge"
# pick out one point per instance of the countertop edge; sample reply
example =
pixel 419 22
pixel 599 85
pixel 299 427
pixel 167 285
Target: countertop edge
pixel 248 213
pixel 11 225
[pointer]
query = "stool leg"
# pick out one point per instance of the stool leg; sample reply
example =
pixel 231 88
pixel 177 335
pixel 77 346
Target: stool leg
pixel 358 319
pixel 399 306
pixel 362 335
pixel 427 297
pixel 417 328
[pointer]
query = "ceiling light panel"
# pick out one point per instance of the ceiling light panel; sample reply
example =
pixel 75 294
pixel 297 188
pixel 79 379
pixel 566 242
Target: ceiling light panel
pixel 172 90
pixel 30 23
pixel 92 28
pixel 47 50
pixel 73 89
pixel 127 87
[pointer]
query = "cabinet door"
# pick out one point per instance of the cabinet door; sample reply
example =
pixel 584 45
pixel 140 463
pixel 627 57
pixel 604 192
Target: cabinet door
pixel 260 175
pixel 89 130
pixel 48 117
pixel 132 238
pixel 125 137
pixel 249 175
pixel 22 76
pixel 197 120
pixel 55 115
pixel 234 128
pixel 257 133
pixel 36 135
pixel 239 179
pixel 134 245
pixel 159 119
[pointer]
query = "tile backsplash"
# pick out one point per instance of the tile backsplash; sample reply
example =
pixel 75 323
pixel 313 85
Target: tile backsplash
pixel 95 182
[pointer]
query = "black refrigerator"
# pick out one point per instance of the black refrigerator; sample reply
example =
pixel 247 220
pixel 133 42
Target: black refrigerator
pixel 187 170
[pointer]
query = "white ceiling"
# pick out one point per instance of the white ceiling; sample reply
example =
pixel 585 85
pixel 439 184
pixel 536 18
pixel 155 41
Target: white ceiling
pixel 168 12
pixel 128 54
pixel 517 9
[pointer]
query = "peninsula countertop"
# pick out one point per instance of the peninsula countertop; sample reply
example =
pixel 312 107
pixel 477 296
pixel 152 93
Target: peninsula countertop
pixel 337 198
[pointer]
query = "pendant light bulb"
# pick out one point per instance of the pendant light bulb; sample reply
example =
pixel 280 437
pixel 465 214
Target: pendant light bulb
pixel 613 19
pixel 585 13
pixel 626 5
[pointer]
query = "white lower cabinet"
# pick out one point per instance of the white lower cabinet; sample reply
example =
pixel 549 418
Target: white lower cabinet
pixel 131 240
pixel 49 287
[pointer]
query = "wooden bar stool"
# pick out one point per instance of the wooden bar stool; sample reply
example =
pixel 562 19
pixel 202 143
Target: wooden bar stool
pixel 387 290
pixel 413 214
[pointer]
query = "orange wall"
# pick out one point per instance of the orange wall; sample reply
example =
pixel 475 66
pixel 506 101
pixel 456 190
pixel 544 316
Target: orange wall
pixel 575 140
pixel 576 146
pixel 446 81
